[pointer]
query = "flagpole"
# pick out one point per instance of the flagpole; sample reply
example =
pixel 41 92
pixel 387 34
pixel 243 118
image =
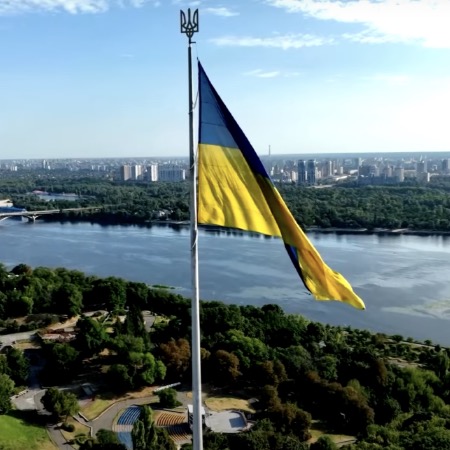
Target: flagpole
pixel 189 26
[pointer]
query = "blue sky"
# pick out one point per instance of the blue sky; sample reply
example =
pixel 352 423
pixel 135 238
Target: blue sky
pixel 95 78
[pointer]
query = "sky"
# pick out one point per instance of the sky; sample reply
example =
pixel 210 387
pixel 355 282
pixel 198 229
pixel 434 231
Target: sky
pixel 108 78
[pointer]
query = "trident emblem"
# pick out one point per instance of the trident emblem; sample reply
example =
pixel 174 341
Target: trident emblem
pixel 189 26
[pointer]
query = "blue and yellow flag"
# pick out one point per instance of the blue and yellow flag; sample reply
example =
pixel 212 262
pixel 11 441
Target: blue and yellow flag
pixel 235 191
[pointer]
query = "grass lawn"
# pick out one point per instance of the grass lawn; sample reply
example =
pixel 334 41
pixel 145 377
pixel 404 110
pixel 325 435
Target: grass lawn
pixel 79 429
pixel 18 434
pixel 222 403
pixel 96 407
pixel 104 400
pixel 318 430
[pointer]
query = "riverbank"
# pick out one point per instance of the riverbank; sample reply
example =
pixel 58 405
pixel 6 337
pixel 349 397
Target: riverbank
pixel 176 224
pixel 402 279
pixel 381 231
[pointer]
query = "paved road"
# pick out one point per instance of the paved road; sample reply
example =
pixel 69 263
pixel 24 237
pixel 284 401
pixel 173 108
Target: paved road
pixel 57 437
pixel 30 400
pixel 9 339
pixel 106 419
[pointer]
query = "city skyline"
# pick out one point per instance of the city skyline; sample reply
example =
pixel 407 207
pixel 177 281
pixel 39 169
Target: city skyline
pixel 105 79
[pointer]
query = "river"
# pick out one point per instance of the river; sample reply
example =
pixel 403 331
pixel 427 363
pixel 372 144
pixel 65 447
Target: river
pixel 404 280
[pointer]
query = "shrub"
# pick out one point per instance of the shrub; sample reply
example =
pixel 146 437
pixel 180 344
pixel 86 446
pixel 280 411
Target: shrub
pixel 70 427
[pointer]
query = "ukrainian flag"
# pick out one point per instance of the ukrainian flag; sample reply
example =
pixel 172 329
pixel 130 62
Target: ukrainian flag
pixel 235 191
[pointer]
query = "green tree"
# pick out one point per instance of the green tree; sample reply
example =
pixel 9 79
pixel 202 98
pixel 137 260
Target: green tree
pixel 6 391
pixel 22 269
pixel 168 398
pixel 134 325
pixel 109 292
pixel 91 337
pixel 106 437
pixel 61 404
pixel 68 299
pixel 18 366
pixel 144 432
pixel 323 443
pixel 62 361
pixel 119 378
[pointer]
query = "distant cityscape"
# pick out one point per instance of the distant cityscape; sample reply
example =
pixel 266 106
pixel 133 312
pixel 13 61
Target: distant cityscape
pixel 307 170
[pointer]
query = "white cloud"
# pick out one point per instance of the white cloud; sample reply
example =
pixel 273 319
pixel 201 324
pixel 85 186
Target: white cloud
pixel 222 11
pixel 262 74
pixel 69 6
pixel 259 73
pixel 422 21
pixel 389 79
pixel 285 42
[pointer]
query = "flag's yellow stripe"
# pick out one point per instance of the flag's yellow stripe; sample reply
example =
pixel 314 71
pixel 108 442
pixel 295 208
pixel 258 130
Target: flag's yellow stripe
pixel 229 194
pixel 232 195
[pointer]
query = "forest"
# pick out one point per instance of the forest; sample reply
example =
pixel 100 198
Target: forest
pixel 389 392
pixel 345 206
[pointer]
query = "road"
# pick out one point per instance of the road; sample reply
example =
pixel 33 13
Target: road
pixel 31 400
pixel 9 339
pixel 5 215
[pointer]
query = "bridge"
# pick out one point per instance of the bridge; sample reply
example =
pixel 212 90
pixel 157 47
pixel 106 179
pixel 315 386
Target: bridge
pixel 33 215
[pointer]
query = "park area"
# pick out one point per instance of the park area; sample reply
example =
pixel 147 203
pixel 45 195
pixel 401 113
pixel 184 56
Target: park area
pixel 19 433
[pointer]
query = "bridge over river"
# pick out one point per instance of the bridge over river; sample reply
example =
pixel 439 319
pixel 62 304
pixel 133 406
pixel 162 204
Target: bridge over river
pixel 33 215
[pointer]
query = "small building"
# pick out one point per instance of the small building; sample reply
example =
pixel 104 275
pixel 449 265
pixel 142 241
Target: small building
pixel 190 409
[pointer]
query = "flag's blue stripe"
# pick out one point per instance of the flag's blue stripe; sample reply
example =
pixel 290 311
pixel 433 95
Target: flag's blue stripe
pixel 218 127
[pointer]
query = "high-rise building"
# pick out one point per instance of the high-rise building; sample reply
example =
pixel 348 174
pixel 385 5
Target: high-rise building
pixel 311 171
pixel 446 165
pixel 357 163
pixel 171 173
pixel 152 172
pixel 387 171
pixel 136 172
pixel 399 173
pixel 301 172
pixel 125 172
pixel 327 169
pixel 421 166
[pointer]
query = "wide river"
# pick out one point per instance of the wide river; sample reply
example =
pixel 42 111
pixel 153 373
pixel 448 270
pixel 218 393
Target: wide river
pixel 404 280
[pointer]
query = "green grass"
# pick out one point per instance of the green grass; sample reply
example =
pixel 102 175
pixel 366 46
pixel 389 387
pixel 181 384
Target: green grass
pixel 318 429
pixel 93 409
pixel 18 433
pixel 161 286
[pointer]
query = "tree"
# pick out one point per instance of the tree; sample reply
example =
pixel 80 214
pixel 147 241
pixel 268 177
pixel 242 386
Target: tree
pixel 6 391
pixel 60 403
pixel 290 419
pixel 134 325
pixel 225 367
pixel 62 362
pixel 22 269
pixel 146 436
pixel 110 292
pixel 68 299
pixel 176 356
pixel 18 366
pixel 119 378
pixel 106 437
pixel 249 350
pixel 144 432
pixel 323 443
pixel 168 398
pixel 91 336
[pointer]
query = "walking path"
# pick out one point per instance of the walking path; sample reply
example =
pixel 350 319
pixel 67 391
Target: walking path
pixel 31 400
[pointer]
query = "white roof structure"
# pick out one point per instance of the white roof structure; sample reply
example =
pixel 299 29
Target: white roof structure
pixel 191 410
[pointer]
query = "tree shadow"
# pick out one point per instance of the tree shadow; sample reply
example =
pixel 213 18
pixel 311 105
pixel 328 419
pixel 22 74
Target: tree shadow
pixel 30 418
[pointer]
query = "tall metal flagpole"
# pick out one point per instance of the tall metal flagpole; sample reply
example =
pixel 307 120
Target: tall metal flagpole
pixel 189 26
